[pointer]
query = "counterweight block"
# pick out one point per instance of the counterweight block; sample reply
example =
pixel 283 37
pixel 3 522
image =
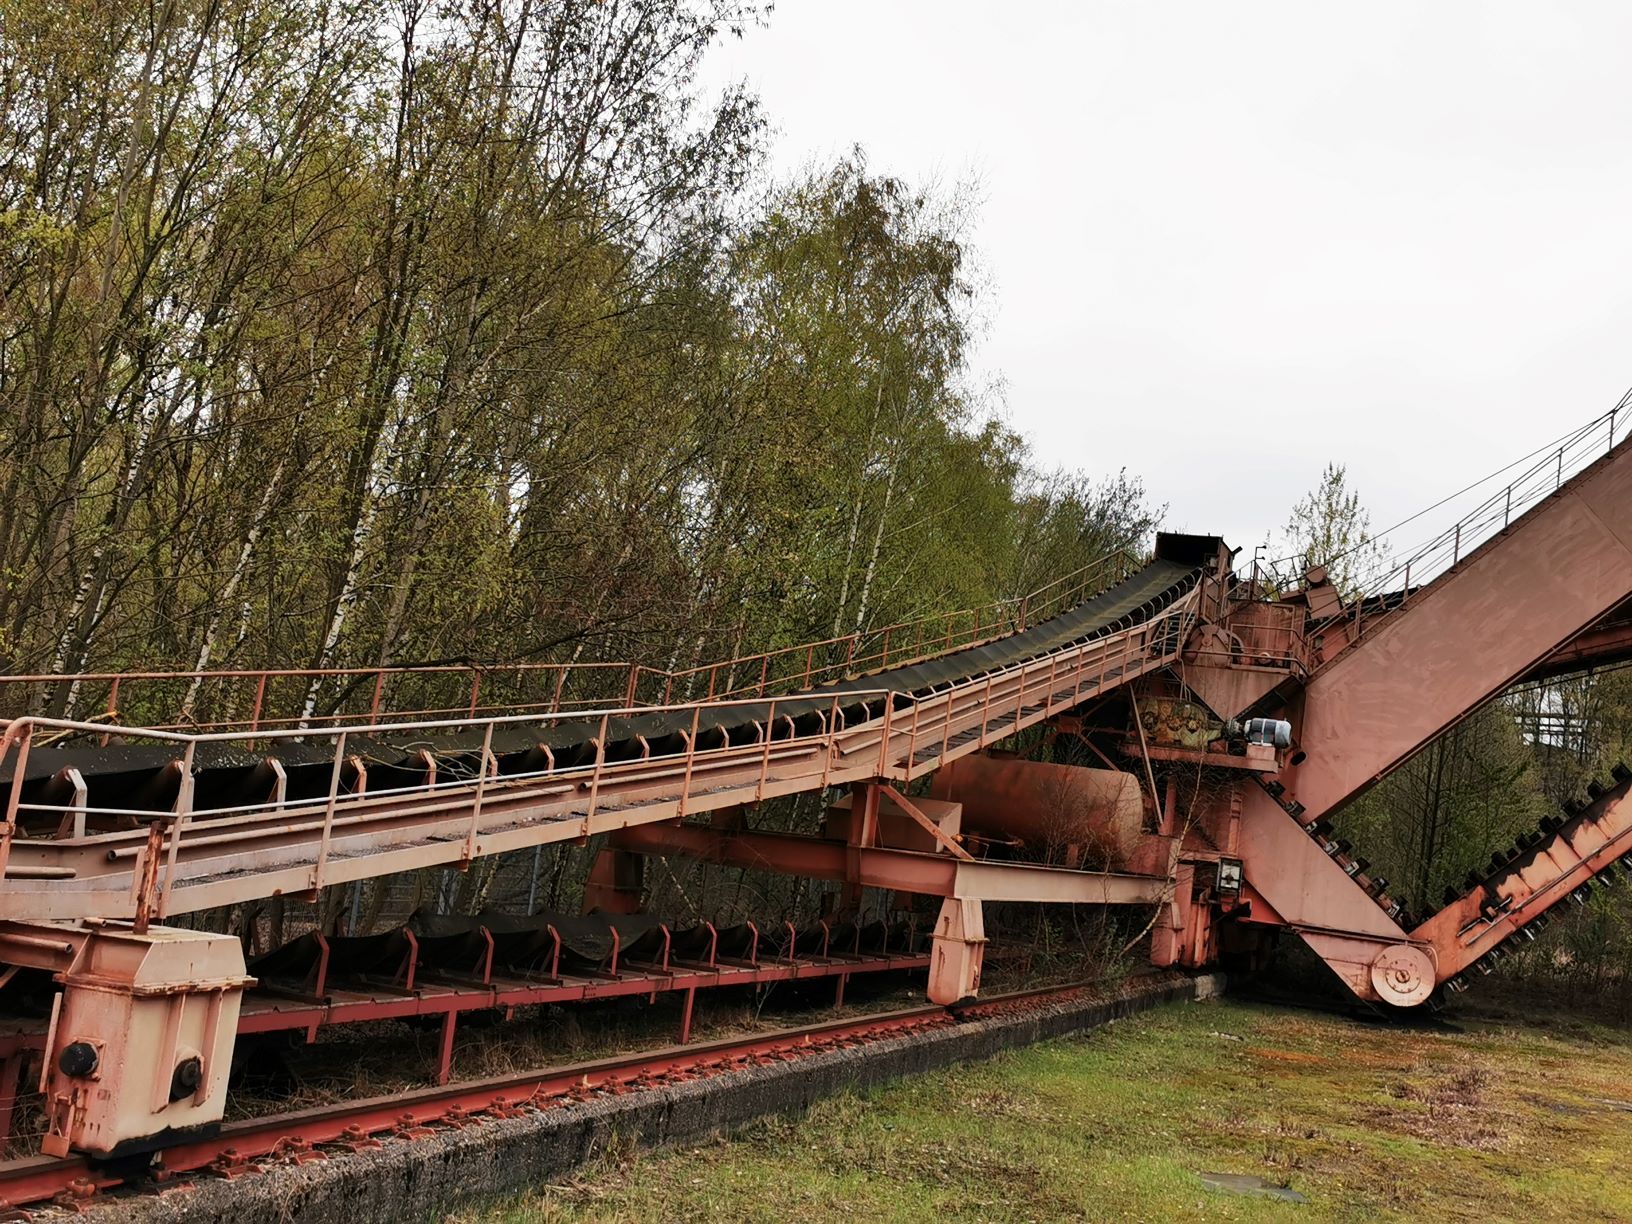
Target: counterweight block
pixel 141 1035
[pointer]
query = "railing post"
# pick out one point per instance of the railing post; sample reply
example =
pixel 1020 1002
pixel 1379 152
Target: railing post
pixel 379 691
pixel 1456 546
pixel 260 698
pixel 184 809
pixel 765 757
pixel 475 691
pixel 113 706
pixel 328 811
pixel 631 688
pixel 14 799
pixel 884 741
pixel 946 725
pixel 146 875
pixel 595 775
pixel 1019 697
pixel 691 761
pixel 830 740
pixel 488 761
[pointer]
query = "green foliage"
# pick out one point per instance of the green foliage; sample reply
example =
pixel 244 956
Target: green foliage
pixel 1443 812
pixel 358 333
pixel 1329 527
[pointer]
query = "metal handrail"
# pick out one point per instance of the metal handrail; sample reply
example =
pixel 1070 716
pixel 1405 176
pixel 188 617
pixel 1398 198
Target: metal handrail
pixel 1403 583
pixel 604 678
pixel 462 798
pixel 987 624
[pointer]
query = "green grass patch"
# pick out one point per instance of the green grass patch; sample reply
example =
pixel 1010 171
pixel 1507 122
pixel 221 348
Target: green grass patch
pixel 1369 1122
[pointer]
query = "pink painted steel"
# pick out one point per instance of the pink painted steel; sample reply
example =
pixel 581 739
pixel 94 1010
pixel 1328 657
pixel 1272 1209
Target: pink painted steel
pixel 1305 885
pixel 221 856
pixel 1545 875
pixel 959 947
pixel 1504 608
pixel 1047 806
pixel 141 1035
pixel 1606 643
pixel 936 875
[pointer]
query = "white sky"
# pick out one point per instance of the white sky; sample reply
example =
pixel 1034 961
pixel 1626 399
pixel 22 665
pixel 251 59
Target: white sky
pixel 1229 242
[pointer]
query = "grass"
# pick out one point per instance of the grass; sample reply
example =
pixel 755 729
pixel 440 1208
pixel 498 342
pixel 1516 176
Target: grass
pixel 1481 1121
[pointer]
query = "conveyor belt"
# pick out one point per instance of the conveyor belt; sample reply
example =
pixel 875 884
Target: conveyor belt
pixel 132 775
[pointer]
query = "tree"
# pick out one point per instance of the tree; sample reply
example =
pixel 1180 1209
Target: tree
pixel 1330 528
pixel 378 333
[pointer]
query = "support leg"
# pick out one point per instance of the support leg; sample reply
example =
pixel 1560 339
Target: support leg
pixel 957 950
pixel 863 832
pixel 616 882
pixel 1168 937
pixel 685 1015
pixel 444 1066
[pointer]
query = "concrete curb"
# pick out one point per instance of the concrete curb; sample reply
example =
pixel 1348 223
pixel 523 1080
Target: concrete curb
pixel 423 1179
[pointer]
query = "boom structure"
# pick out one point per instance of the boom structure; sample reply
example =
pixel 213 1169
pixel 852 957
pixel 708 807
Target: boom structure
pixel 1368 687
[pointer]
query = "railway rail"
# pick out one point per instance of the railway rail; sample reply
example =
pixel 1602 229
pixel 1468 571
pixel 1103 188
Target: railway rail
pixel 243 1148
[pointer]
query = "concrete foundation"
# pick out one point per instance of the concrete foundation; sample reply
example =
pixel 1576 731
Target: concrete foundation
pixel 424 1178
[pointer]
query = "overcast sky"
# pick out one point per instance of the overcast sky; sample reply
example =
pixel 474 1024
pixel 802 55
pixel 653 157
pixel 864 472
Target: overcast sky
pixel 1227 243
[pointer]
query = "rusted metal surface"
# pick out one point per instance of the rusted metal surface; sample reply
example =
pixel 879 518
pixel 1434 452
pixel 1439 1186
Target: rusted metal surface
pixel 930 825
pixel 1403 676
pixel 1606 643
pixel 1553 866
pixel 1364 684
pixel 958 950
pixel 140 1037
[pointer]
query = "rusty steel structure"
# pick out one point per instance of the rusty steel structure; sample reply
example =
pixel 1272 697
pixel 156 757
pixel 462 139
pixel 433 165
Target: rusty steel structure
pixel 1226 718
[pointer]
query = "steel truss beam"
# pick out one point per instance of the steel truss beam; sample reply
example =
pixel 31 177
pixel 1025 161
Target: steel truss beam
pixel 933 875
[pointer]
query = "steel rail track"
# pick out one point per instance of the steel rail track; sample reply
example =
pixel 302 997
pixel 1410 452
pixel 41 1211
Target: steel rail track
pixel 252 1145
